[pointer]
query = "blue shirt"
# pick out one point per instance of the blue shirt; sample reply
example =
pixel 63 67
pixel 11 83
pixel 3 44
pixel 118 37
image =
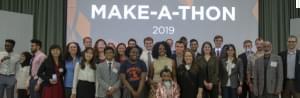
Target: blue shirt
pixel 70 66
pixel 133 72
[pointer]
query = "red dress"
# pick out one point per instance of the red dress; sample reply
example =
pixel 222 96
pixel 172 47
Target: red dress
pixel 54 90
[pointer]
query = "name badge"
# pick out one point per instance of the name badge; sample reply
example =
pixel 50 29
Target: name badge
pixel 115 70
pixel 273 64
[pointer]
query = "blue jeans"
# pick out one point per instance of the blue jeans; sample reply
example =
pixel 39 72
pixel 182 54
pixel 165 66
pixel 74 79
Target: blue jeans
pixel 228 92
pixel 33 93
pixel 7 84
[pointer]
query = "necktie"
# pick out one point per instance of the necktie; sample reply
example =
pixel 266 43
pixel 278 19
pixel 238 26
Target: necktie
pixel 218 52
pixel 109 67
pixel 149 58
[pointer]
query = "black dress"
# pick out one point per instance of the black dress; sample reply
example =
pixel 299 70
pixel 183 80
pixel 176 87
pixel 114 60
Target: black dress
pixel 189 82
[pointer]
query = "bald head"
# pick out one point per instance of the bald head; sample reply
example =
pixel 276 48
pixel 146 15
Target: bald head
pixel 267 47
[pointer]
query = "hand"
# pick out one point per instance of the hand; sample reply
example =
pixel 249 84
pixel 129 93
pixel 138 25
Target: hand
pixel 199 95
pixel 37 87
pixel 73 96
pixel 210 86
pixel 5 58
pixel 27 91
pixel 220 90
pixel 154 85
pixel 52 81
pixel 251 87
pixel 108 93
pixel 239 90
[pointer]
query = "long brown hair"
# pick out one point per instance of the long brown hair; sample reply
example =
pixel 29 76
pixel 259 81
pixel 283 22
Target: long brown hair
pixel 194 67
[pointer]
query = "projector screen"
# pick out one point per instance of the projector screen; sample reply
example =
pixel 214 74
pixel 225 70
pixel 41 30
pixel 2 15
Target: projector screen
pixel 118 20
pixel 18 27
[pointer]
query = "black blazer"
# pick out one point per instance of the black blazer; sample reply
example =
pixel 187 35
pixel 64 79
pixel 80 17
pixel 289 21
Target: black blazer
pixel 297 68
pixel 173 56
pixel 244 59
pixel 47 69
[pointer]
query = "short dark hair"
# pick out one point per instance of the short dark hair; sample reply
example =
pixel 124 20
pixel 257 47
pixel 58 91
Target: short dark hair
pixel 148 39
pixel 37 42
pixel 155 53
pixel 183 38
pixel 165 70
pixel 109 48
pixel 217 37
pixel 179 42
pixel 11 41
pixel 247 41
pixel 193 40
pixel 87 37
pixel 293 36
pixel 131 39
pixel 259 39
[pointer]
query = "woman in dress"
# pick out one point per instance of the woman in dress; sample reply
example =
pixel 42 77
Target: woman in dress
pixel 51 74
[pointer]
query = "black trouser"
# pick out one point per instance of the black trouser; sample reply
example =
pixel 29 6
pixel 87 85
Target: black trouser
pixel 246 91
pixel 85 89
pixel 22 93
pixel 68 92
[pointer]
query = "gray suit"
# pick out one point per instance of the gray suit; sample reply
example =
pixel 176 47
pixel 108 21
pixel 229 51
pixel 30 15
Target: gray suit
pixel 106 78
pixel 274 73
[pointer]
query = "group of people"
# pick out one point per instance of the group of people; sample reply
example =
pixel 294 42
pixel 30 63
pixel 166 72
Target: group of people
pixel 155 71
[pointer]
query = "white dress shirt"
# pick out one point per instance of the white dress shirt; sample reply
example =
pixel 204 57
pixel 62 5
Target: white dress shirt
pixel 86 74
pixel 9 66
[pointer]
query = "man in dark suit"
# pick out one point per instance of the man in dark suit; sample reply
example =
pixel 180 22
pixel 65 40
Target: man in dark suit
pixel 194 47
pixel 291 69
pixel 268 74
pixel 218 40
pixel 178 55
pixel 245 56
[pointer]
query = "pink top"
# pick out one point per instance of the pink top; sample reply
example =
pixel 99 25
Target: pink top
pixel 163 92
pixel 37 61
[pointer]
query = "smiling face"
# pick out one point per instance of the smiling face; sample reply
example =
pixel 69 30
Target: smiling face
pixel 166 76
pixel 73 49
pixel 134 54
pixel 148 44
pixel 292 42
pixel 230 52
pixel 8 46
pixel 100 46
pixel 88 55
pixel 267 47
pixel 188 58
pixel 259 45
pixel 207 49
pixel 55 52
pixel 194 46
pixel 22 58
pixel 218 42
pixel 109 54
pixel 131 44
pixel 179 47
pixel 121 49
pixel 161 50
pixel 87 42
